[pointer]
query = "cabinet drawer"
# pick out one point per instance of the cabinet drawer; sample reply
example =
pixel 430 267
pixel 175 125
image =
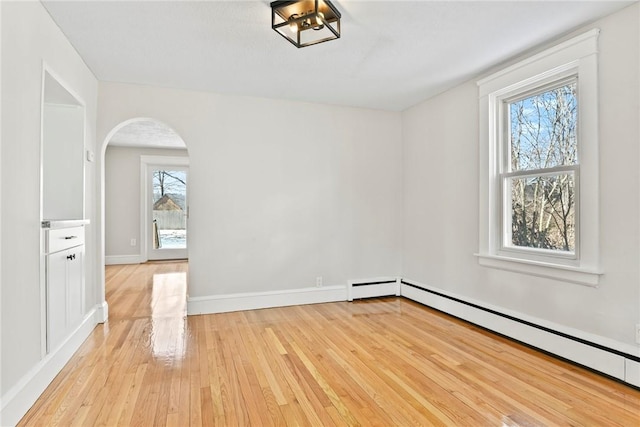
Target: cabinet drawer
pixel 62 238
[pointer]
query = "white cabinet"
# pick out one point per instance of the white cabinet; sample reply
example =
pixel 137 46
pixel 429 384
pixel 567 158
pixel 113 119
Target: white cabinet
pixel 64 283
pixel 63 204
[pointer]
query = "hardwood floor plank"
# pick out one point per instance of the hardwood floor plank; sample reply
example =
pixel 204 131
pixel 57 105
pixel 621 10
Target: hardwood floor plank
pixel 132 396
pixel 378 362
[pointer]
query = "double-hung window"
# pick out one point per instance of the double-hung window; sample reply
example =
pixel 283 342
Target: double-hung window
pixel 540 170
pixel 539 164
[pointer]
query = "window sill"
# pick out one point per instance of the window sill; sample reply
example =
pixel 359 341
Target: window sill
pixel 579 275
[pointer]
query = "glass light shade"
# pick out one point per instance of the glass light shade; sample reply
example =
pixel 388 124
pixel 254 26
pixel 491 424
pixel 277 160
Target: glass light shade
pixel 306 22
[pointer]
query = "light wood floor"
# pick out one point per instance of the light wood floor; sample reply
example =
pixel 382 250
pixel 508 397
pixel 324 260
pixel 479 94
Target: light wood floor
pixel 382 362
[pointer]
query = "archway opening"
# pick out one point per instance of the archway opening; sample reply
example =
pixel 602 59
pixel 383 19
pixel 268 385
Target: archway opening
pixel 144 195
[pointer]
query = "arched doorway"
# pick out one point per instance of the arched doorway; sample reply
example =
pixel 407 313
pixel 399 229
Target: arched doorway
pixel 143 194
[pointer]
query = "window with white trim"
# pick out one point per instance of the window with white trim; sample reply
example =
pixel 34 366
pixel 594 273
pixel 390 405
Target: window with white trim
pixel 539 164
pixel 539 170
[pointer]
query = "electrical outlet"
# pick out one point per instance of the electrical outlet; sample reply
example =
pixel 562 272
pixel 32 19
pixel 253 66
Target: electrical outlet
pixel 638 333
pixel 133 242
pixel 319 281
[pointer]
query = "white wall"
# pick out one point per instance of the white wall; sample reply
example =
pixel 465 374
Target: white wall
pixel 440 138
pixel 30 37
pixel 122 198
pixel 280 192
pixel 63 160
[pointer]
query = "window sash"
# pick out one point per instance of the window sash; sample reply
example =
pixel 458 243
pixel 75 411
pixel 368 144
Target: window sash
pixel 506 175
pixel 542 88
pixel 506 238
pixel 556 170
pixel 532 90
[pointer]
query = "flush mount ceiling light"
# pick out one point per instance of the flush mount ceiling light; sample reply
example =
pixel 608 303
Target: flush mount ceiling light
pixel 306 22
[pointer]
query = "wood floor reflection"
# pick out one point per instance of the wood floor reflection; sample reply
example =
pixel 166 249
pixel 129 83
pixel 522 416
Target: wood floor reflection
pixel 379 362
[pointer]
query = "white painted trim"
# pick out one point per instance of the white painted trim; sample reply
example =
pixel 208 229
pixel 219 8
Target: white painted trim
pixel 567 273
pixel 122 259
pixel 632 372
pixel 102 312
pixel 581 45
pixel 371 289
pixel 165 160
pixel 258 300
pixel 16 401
pixel 600 360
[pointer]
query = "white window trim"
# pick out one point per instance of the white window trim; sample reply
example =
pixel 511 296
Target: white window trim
pixel 577 56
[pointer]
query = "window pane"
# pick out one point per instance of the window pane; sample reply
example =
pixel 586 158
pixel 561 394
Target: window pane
pixel 169 209
pixel 543 212
pixel 543 129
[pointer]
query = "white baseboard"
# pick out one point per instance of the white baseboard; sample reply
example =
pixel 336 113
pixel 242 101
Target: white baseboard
pixel 370 288
pixel 598 353
pixel 122 259
pixel 102 312
pixel 632 372
pixel 17 400
pixel 257 300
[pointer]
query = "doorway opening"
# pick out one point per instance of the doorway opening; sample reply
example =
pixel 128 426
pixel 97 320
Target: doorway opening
pixel 166 208
pixel 170 209
pixel 144 178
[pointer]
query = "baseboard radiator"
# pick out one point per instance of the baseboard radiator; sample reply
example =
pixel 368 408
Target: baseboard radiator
pixel 617 360
pixel 372 288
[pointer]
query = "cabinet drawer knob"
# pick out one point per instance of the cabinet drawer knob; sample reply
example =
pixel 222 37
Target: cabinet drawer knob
pixel 71 257
pixel 70 237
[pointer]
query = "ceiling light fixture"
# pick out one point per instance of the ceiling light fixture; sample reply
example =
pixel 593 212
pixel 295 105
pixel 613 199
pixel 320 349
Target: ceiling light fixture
pixel 306 22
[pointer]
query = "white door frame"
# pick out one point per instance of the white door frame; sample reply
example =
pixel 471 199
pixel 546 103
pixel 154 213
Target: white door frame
pixel 146 165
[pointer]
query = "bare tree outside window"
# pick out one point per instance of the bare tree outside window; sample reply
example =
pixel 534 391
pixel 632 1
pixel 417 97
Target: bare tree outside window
pixel 170 209
pixel 543 160
pixel 168 182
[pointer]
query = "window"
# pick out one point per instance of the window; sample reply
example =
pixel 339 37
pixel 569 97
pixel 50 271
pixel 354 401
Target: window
pixel 539 170
pixel 539 165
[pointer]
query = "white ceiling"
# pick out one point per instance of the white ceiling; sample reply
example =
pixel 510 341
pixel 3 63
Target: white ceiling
pixel 392 54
